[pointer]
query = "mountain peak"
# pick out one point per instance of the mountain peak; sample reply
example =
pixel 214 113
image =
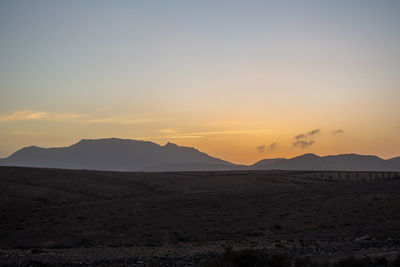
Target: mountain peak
pixel 169 144
pixel 354 156
pixel 308 156
pixel 111 140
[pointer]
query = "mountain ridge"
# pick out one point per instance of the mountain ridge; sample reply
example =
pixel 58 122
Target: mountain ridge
pixel 115 154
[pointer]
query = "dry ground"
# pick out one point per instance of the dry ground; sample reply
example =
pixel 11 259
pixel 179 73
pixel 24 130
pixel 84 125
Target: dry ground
pixel 51 208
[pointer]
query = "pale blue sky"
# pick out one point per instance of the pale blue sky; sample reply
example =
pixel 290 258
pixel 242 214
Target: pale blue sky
pixel 284 66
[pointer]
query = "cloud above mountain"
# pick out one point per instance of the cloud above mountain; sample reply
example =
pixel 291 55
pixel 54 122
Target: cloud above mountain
pixel 339 131
pixel 300 136
pixel 303 144
pixel 264 148
pixel 311 133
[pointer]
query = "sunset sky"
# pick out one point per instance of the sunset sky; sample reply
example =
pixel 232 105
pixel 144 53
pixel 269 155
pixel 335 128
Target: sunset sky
pixel 239 80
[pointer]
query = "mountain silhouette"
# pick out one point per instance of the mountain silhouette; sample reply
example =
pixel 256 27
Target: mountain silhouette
pixel 265 163
pixel 113 154
pixel 342 162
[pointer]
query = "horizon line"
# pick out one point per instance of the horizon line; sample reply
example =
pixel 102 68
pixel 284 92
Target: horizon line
pixel 168 142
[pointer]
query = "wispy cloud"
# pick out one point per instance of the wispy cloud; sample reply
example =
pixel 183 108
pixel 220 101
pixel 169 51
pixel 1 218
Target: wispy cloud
pixel 175 134
pixel 119 120
pixel 339 131
pixel 265 148
pixel 261 149
pixel 232 132
pixel 300 136
pixel 185 137
pixel 168 131
pixel 24 115
pixel 303 144
pixel 311 133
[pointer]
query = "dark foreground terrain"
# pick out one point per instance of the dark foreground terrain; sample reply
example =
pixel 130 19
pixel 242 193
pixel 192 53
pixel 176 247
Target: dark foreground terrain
pixel 67 217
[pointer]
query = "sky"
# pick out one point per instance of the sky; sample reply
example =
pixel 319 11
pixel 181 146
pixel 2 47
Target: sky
pixel 239 80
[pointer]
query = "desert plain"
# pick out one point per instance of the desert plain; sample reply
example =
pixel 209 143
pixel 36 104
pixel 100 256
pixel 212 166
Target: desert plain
pixel 82 217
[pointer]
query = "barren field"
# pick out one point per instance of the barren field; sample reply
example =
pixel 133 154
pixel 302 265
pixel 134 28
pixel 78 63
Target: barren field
pixel 51 216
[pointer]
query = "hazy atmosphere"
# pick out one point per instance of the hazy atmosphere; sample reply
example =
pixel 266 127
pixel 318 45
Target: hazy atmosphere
pixel 239 80
pixel 203 133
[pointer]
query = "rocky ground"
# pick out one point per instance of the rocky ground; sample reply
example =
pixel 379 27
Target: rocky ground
pixel 64 217
pixel 193 254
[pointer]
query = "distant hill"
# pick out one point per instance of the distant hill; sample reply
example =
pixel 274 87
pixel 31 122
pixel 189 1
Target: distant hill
pixel 343 162
pixel 394 161
pixel 115 154
pixel 265 163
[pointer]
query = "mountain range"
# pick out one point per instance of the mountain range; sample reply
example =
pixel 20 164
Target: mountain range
pixel 113 154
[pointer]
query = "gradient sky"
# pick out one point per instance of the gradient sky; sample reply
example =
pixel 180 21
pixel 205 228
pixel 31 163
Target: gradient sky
pixel 238 80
